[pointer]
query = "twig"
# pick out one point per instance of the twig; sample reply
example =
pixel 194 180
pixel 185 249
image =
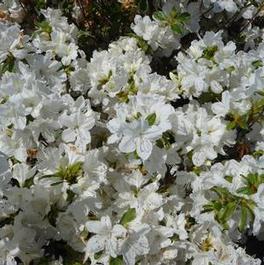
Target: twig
pixel 253 18
pixel 82 8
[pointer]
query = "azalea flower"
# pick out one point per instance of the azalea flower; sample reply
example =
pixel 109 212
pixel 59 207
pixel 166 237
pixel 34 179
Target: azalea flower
pixel 106 237
pixel 139 124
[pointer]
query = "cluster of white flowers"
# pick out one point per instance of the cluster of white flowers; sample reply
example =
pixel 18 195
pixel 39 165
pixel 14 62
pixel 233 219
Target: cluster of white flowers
pixel 104 161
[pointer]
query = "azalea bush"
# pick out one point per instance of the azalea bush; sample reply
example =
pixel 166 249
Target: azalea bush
pixel 131 132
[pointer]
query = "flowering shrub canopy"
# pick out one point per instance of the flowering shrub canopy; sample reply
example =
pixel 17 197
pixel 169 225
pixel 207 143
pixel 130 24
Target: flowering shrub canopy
pixel 147 150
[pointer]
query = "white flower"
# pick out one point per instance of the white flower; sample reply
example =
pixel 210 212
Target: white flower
pixel 202 134
pixel 105 238
pixel 139 123
pixel 12 42
pixel 223 107
pixel 61 46
pixel 136 244
pixel 22 172
pixel 228 5
pixel 78 123
pixel 155 34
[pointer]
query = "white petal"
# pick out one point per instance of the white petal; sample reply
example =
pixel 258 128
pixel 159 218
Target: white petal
pixel 144 148
pixel 127 145
pixel 119 231
pixel 219 108
pixel 95 244
pixel 198 158
pixel 68 135
pixel 96 227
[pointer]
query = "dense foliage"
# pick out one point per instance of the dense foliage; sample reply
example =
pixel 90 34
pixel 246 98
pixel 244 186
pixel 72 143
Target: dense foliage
pixel 131 132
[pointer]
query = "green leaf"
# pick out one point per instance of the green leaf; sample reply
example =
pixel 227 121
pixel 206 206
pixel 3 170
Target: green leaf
pixel 151 118
pixel 253 179
pixel 228 178
pixel 209 52
pixel 70 173
pixel 244 190
pixel 175 238
pixel 231 125
pixel 230 69
pixel 243 219
pixel 8 64
pixel 261 93
pixel 116 261
pixel 183 17
pixel 243 122
pixel 142 44
pixel 229 210
pixel 98 254
pixel 28 182
pixel 257 63
pixel 159 15
pixel 40 4
pixel 128 216
pixel 44 26
pixel 208 208
pixel 177 28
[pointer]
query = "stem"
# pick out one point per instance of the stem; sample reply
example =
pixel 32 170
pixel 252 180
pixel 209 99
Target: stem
pixel 253 18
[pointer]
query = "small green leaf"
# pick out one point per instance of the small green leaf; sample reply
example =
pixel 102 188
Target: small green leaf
pixel 116 261
pixel 151 118
pixel 70 173
pixel 183 17
pixel 98 254
pixel 257 63
pixel 137 115
pixel 230 69
pixel 231 125
pixel 228 178
pixel 229 210
pixel 208 208
pixel 44 26
pixel 175 238
pixel 225 213
pixel 209 52
pixel 28 182
pixel 243 219
pixel 8 64
pixel 244 190
pixel 261 93
pixel 159 15
pixel 177 28
pixel 253 178
pixel 128 216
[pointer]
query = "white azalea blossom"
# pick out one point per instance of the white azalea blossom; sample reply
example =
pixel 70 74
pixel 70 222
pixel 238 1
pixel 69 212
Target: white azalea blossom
pixel 140 148
pixel 139 124
pixel 106 237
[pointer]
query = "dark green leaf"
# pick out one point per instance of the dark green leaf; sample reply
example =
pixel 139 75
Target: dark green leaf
pixel 98 254
pixel 143 5
pixel 257 63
